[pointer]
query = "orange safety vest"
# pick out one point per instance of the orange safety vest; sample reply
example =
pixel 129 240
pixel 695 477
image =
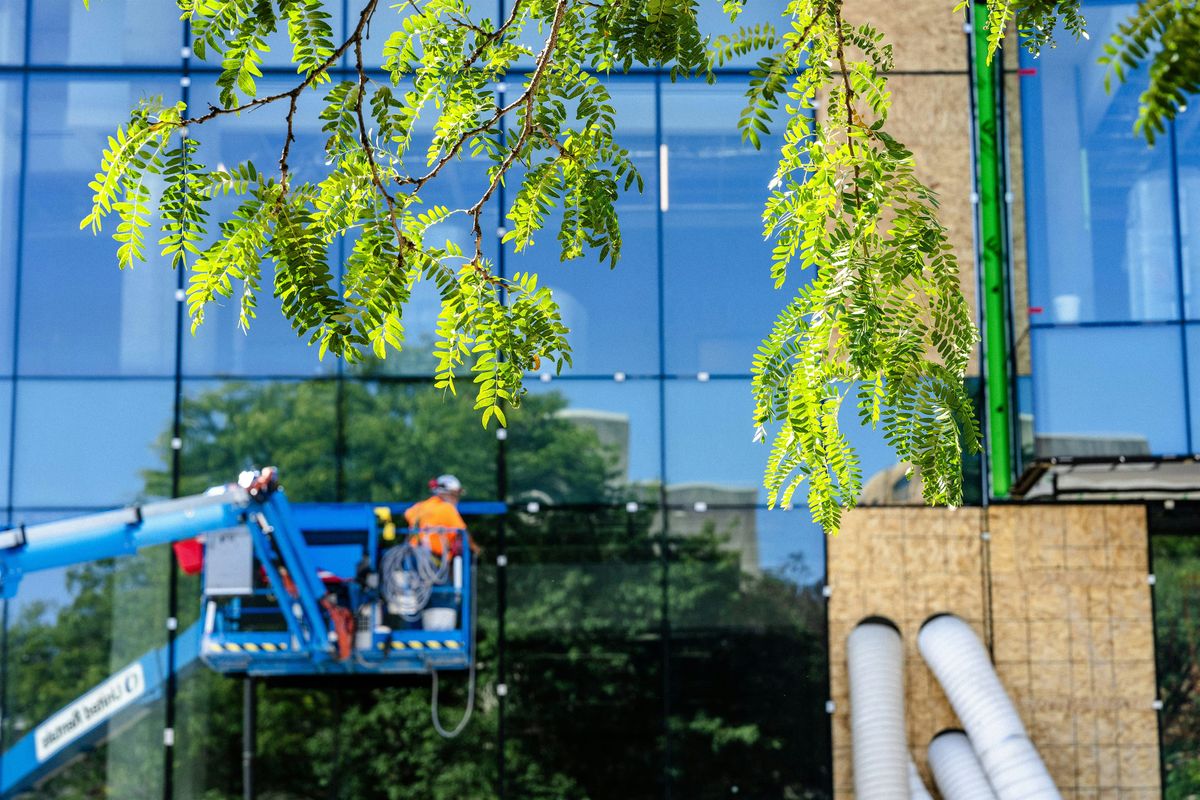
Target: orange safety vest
pixel 436 519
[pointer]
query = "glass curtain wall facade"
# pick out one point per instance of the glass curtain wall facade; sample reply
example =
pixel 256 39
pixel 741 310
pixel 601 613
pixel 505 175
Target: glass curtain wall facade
pixel 1113 260
pixel 656 631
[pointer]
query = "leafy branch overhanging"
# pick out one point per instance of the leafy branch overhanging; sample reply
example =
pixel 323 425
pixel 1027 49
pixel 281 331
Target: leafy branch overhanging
pixel 881 317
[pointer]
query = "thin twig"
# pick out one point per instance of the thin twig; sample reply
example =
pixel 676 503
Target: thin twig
pixel 527 98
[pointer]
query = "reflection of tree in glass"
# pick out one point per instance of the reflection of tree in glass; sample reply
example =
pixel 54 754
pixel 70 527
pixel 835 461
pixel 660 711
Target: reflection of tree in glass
pixel 1177 641
pixel 587 589
pixel 57 650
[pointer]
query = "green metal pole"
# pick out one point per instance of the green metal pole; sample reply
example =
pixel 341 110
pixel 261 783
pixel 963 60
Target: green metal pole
pixel 992 247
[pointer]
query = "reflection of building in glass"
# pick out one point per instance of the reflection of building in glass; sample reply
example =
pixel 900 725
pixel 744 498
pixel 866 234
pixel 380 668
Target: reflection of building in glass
pixel 728 511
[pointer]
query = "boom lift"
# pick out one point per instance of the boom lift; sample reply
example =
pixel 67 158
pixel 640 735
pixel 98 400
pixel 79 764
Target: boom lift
pixel 318 589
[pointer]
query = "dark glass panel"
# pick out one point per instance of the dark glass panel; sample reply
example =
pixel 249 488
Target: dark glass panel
pixel 400 435
pixel 208 731
pixel 748 655
pixel 1100 246
pixel 80 315
pixel 719 296
pixel 585 600
pixel 1177 645
pixel 125 32
pixel 612 313
pixel 237 425
pixel 584 441
pixel 1114 391
pixel 90 443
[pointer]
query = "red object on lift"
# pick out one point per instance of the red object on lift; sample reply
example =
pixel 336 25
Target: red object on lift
pixel 190 555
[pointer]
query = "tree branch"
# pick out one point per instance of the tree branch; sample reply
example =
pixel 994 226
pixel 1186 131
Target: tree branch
pixel 527 99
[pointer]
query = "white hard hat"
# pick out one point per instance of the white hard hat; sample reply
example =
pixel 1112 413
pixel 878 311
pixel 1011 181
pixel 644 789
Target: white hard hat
pixel 446 483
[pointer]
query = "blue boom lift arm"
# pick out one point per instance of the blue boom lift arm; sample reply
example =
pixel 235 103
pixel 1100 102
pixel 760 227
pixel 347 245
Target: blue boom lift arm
pixel 266 610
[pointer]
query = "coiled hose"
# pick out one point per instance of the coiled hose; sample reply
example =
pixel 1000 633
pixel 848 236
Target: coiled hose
pixel 410 572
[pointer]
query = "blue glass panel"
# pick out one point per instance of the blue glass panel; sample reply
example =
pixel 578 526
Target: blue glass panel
pixel 12 32
pixel 90 443
pixel 1100 246
pixel 457 187
pixel 584 441
pixel 612 313
pixel 278 56
pixel 715 22
pixel 1109 391
pixel 80 315
pixel 6 388
pixel 219 346
pixel 125 32
pixel 10 172
pixel 235 425
pixel 719 296
pixel 709 450
pixel 1187 177
pixel 1193 365
pixel 710 446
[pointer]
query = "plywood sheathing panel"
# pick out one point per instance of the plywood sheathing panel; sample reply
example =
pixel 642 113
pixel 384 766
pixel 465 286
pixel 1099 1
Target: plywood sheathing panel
pixel 931 114
pixel 905 564
pixel 1083 678
pixel 1060 592
pixel 926 35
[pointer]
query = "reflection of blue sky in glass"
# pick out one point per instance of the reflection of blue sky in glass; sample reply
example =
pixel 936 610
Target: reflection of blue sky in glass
pixel 5 448
pixel 791 545
pixel 272 347
pixel 1100 245
pixel 79 314
pixel 1106 384
pixel 710 434
pixel 86 443
pixel 110 32
pixel 612 313
pixel 1193 349
pixel 10 168
pixel 12 32
pixel 719 296
pixel 1187 137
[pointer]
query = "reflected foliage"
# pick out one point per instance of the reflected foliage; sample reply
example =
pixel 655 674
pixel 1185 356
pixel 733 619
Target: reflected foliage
pixel 634 659
pixel 1177 633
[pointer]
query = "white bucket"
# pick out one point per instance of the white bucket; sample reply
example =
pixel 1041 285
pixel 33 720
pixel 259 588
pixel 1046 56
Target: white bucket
pixel 438 619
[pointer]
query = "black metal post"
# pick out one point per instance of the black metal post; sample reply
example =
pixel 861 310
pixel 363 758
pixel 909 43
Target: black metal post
pixel 249 736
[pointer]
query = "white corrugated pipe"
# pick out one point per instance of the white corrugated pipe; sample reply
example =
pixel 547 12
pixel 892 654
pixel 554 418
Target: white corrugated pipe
pixel 962 667
pixel 956 771
pixel 875 658
pixel 916 787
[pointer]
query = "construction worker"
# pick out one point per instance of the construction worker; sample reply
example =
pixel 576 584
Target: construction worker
pixel 436 519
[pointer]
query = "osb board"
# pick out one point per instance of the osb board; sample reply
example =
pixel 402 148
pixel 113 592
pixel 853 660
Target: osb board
pixel 1061 594
pixel 1074 642
pixel 905 564
pixel 926 35
pixel 931 114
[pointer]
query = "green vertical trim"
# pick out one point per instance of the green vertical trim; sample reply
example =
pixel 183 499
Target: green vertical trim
pixel 992 248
